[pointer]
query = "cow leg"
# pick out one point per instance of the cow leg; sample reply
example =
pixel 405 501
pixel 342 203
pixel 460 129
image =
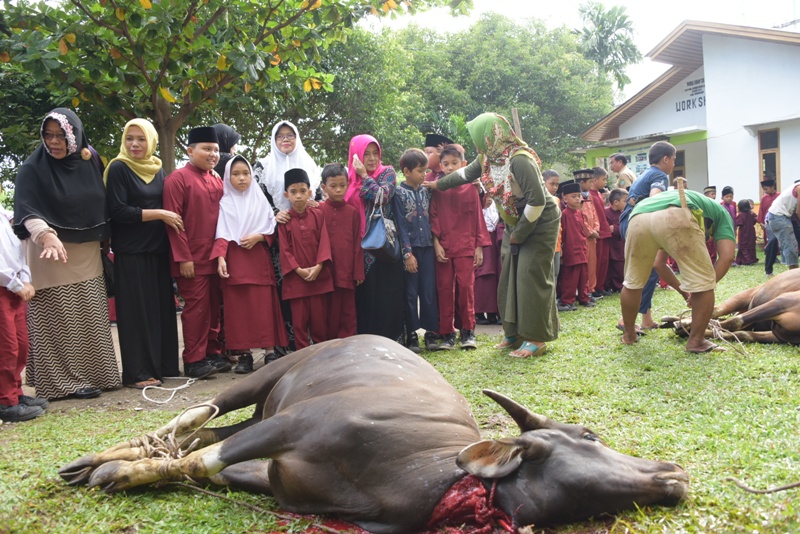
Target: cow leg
pixel 750 336
pixel 252 390
pixel 774 310
pixel 258 441
pixel 252 476
pixel 78 471
pixel 737 303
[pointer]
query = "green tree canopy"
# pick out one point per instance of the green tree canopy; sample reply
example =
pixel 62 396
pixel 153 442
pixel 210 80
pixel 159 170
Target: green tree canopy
pixel 170 61
pixel 607 39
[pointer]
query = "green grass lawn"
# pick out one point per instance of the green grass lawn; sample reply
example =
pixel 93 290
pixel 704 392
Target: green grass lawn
pixel 717 415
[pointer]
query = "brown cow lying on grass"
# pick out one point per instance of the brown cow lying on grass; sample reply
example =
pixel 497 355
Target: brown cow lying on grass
pixel 365 430
pixel 769 313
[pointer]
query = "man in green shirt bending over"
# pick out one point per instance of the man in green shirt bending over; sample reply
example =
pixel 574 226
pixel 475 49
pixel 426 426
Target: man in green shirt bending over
pixel 659 227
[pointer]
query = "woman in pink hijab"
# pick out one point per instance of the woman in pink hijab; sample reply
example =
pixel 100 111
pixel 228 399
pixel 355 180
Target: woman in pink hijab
pixel 379 300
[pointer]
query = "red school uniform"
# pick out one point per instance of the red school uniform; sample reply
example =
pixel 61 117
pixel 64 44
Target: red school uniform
pixel 603 243
pixel 194 194
pixel 252 308
pixel 304 243
pixel 574 257
pixel 456 217
pixel 347 265
pixel 746 223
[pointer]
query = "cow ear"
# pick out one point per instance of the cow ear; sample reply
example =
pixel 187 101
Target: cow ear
pixel 525 419
pixel 491 458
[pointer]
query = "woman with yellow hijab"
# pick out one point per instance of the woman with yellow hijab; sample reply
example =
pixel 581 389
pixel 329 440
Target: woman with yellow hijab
pixel 148 329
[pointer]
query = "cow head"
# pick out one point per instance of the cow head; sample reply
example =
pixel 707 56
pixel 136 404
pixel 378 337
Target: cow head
pixel 556 472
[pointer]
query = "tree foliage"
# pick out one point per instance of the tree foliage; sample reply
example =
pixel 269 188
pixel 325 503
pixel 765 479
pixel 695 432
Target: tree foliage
pixel 173 60
pixel 607 39
pixel 497 65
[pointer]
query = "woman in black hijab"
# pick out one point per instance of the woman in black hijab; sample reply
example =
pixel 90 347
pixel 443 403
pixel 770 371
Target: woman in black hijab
pixel 228 138
pixel 60 212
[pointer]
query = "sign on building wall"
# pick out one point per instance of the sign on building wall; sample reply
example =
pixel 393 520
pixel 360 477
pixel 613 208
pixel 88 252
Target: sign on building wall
pixel 694 96
pixel 637 158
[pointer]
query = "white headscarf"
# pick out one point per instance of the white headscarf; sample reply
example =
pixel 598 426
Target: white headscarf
pixel 243 213
pixel 277 163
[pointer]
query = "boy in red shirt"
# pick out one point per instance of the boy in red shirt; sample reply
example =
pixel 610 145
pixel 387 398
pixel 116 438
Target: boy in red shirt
pixel 459 235
pixel 574 254
pixel 616 245
pixel 194 192
pixel 344 232
pixel 305 261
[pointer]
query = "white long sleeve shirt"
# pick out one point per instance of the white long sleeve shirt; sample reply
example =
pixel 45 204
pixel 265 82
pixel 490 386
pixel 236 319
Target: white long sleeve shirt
pixel 14 269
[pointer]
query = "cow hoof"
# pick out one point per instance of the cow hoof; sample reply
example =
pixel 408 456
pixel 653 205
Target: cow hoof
pixel 107 477
pixel 76 472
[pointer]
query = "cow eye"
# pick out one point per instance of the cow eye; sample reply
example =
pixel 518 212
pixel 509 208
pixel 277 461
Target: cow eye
pixel 590 437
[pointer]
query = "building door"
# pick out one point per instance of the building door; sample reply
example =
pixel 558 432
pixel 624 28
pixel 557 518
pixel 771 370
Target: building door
pixel 769 156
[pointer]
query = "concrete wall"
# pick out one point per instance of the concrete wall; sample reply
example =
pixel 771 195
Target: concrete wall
pixel 749 82
pixel 683 106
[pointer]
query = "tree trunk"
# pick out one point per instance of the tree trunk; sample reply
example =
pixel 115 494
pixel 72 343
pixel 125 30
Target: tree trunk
pixel 166 147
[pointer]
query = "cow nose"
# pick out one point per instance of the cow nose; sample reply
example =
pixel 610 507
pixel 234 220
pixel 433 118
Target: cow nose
pixel 674 482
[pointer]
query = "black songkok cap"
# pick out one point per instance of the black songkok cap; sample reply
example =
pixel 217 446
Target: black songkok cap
pixel 570 187
pixel 295 176
pixel 768 183
pixel 434 140
pixel 203 134
pixel 727 190
pixel 583 174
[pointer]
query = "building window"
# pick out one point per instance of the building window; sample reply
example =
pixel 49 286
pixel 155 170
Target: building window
pixel 680 166
pixel 769 156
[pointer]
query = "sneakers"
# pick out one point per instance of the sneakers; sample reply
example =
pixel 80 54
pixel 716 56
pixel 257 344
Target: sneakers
pixel 480 318
pixel 33 401
pixel 432 340
pixel 448 342
pixel 20 412
pixel 271 356
pixel 468 341
pixel 494 318
pixel 412 342
pixel 220 362
pixel 588 304
pixel 598 294
pixel 566 307
pixel 200 369
pixel 245 364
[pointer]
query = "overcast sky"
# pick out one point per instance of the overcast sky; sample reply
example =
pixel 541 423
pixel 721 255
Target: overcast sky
pixel 652 20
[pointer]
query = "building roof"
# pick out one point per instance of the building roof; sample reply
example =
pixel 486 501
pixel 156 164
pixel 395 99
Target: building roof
pixel 683 49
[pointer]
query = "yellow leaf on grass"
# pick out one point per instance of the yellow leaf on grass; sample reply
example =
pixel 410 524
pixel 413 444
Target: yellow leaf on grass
pixel 146 4
pixel 296 42
pixel 307 85
pixel 120 13
pixel 70 37
pixel 166 95
pixel 222 64
pixel 275 59
pixel 76 102
pixel 62 47
pixel 247 87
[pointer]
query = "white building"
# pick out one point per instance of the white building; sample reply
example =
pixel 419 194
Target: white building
pixel 730 103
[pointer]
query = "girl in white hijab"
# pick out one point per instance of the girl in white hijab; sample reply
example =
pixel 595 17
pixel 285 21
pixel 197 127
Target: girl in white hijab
pixel 286 152
pixel 252 308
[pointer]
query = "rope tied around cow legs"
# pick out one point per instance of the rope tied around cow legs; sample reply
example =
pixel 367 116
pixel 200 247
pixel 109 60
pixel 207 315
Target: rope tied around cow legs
pixel 717 332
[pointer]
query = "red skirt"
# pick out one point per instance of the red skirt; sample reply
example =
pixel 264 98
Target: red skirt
pixel 252 317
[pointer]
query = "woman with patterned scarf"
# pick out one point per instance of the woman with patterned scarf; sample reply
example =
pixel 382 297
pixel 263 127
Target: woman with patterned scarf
pixel 509 170
pixel 60 212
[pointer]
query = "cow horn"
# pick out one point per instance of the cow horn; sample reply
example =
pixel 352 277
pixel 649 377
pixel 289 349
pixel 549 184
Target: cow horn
pixel 525 419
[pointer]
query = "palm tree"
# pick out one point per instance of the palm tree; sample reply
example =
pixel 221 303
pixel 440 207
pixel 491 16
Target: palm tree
pixel 607 39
